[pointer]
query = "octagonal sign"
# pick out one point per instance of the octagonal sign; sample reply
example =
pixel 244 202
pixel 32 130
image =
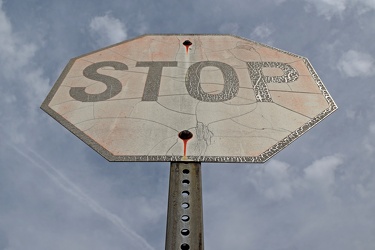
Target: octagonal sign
pixel 242 101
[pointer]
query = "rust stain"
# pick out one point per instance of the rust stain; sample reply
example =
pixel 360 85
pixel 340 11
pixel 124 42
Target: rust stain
pixel 185 136
pixel 187 44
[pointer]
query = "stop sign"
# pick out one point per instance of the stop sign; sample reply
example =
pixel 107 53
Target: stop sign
pixel 225 98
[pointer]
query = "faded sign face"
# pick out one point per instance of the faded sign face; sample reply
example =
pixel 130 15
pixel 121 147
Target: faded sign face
pixel 241 101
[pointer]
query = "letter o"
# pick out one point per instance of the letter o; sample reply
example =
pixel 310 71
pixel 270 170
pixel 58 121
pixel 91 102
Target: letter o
pixel 194 88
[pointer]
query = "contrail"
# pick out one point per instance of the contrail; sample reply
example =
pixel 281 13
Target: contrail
pixel 68 186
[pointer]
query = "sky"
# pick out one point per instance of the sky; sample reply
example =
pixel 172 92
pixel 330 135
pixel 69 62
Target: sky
pixel 57 193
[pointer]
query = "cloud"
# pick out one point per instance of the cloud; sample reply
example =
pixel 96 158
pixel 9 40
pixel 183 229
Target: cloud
pixel 14 52
pixel 330 8
pixel 262 33
pixel 274 181
pixel 321 173
pixel 23 83
pixel 107 30
pixel 354 63
pixel 278 180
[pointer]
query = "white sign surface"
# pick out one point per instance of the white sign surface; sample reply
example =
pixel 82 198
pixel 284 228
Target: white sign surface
pixel 241 100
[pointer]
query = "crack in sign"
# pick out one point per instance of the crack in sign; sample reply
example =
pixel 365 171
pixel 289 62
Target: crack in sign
pixel 204 136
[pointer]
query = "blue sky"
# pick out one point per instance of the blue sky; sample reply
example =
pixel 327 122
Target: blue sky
pixel 57 193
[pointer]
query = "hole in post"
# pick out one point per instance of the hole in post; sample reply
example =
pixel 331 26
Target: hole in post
pixel 186 182
pixel 185 205
pixel 185 232
pixel 185 246
pixel 187 43
pixel 185 218
pixel 185 171
pixel 185 135
pixel 185 193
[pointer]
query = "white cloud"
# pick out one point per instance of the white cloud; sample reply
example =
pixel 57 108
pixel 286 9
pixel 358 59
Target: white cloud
pixel 23 84
pixel 107 30
pixel 278 180
pixel 262 33
pixel 15 53
pixel 274 180
pixel 321 174
pixel 369 3
pixel 330 8
pixel 354 63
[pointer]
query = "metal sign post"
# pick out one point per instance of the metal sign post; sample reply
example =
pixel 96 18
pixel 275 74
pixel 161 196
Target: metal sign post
pixel 185 211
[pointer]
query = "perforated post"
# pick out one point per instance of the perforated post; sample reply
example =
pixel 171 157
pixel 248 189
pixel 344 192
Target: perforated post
pixel 185 213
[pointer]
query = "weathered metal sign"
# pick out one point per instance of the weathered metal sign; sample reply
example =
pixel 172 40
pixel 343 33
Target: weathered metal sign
pixel 241 100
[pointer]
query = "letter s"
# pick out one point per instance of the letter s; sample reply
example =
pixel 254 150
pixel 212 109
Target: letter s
pixel 114 86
